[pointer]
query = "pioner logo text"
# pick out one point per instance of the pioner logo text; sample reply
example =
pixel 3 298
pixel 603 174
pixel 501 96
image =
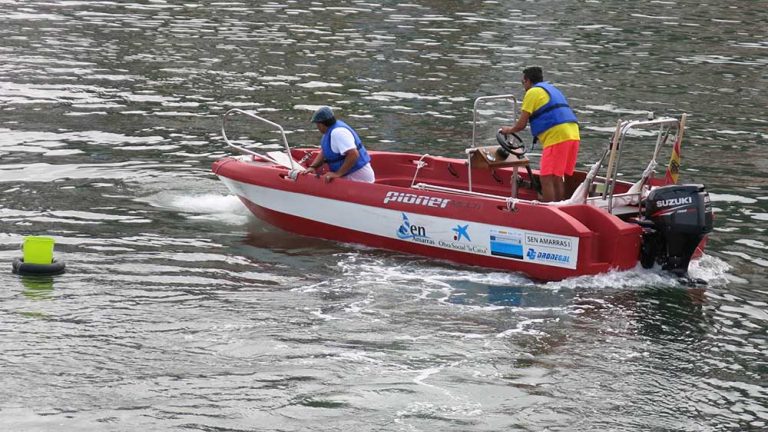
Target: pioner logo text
pixel 414 199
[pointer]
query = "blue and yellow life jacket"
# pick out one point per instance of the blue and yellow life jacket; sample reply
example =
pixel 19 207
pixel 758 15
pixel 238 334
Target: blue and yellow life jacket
pixel 555 112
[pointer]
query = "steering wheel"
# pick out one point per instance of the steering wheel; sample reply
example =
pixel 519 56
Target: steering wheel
pixel 516 146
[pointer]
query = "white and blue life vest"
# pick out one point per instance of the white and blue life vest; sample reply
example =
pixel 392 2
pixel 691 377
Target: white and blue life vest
pixel 335 160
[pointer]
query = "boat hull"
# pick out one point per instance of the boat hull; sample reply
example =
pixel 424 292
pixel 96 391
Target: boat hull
pixel 543 242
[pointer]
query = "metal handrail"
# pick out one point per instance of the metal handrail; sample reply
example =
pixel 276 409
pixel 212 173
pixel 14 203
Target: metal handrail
pixel 254 116
pixel 436 188
pixel 665 124
pixel 469 151
pixel 486 98
pixel 419 165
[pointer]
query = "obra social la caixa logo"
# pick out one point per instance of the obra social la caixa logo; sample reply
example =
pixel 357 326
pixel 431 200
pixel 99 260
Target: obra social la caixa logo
pixel 461 232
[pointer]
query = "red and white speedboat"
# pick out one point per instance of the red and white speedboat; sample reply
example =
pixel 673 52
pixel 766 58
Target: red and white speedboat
pixel 482 210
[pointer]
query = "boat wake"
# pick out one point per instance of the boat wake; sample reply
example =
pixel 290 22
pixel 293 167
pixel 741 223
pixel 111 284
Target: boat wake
pixel 210 207
pixel 425 279
pixel 706 271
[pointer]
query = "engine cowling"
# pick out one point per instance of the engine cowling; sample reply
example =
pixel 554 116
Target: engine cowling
pixel 675 220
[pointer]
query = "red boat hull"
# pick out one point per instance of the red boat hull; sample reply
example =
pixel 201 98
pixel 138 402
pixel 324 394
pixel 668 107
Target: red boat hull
pixel 543 242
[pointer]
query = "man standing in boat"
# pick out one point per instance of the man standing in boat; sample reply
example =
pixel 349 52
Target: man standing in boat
pixel 555 125
pixel 341 148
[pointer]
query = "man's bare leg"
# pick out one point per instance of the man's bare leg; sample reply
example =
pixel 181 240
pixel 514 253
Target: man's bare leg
pixel 548 187
pixel 559 188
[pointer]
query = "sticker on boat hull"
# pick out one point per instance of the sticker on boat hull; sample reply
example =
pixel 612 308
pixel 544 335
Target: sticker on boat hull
pixel 481 239
pixel 535 247
pixel 507 244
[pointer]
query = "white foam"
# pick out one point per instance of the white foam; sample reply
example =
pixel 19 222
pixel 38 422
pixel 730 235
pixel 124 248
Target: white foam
pixel 225 208
pixel 318 84
pixel 208 203
pixel 715 197
pixel 710 269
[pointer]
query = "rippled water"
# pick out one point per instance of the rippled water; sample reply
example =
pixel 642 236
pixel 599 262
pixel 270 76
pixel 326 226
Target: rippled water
pixel 179 311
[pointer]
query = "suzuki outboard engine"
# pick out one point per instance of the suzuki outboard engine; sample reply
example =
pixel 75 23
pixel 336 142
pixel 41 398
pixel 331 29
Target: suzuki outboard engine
pixel 675 219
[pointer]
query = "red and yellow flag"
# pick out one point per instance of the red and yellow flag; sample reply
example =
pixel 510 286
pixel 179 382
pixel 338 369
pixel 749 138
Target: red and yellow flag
pixel 673 169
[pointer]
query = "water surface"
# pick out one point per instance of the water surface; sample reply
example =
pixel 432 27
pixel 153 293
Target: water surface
pixel 179 311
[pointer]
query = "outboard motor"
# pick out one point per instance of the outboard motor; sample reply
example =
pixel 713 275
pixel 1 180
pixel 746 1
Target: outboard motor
pixel 675 219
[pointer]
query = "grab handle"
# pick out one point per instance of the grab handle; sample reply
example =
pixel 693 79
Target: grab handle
pixel 262 119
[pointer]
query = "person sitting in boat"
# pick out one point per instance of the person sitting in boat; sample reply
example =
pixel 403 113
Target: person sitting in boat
pixel 341 148
pixel 556 127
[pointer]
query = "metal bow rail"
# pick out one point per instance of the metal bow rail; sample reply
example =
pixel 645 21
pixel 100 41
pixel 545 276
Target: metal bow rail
pixel 247 151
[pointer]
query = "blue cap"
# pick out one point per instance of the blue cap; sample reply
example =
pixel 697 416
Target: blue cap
pixel 322 114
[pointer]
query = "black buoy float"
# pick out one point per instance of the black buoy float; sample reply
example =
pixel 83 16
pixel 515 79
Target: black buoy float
pixel 38 258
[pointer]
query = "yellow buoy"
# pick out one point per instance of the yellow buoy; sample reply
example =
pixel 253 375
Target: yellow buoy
pixel 37 259
pixel 38 250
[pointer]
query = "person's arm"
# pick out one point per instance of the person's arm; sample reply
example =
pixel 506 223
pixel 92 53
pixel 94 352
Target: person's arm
pixel 350 159
pixel 316 163
pixel 522 122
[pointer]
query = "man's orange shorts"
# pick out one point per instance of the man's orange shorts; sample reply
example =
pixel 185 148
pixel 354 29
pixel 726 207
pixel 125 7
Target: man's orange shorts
pixel 559 159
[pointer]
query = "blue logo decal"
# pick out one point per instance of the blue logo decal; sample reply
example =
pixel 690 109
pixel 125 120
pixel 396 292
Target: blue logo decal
pixel 531 254
pixel 408 231
pixel 461 231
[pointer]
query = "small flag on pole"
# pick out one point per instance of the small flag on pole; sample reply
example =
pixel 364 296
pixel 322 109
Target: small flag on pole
pixel 673 169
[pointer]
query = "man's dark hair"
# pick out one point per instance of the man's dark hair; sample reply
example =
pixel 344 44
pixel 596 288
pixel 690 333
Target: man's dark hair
pixel 329 122
pixel 533 74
